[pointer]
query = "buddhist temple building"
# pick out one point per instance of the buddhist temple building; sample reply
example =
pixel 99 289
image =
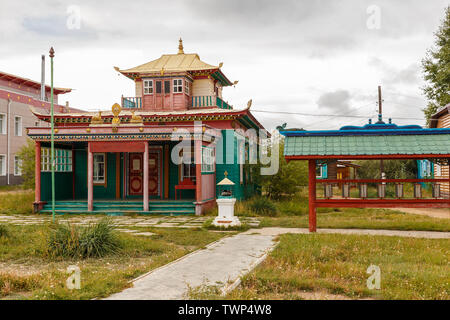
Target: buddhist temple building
pixel 127 159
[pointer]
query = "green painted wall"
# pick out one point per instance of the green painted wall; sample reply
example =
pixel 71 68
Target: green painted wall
pixel 63 186
pixel 100 192
pixel 230 142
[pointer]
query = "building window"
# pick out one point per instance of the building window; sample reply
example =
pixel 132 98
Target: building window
pixel 177 85
pixel 438 170
pixel 188 169
pixel 241 162
pixel 63 160
pixel 148 86
pixel 17 166
pixel 2 165
pixel 186 87
pixel 158 87
pixel 2 123
pixel 99 168
pixel 18 126
pixel 207 159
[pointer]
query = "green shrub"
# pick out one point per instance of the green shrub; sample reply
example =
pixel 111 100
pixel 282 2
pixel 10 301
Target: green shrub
pixel 263 207
pixel 94 241
pixel 3 231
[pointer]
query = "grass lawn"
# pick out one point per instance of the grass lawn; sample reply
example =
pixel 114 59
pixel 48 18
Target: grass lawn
pixel 352 218
pixel 410 268
pixel 26 272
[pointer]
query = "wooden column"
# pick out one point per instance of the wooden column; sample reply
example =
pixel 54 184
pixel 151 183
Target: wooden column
pixel 145 197
pixel 312 195
pixel 166 171
pixel 90 195
pixel 37 173
pixel 198 170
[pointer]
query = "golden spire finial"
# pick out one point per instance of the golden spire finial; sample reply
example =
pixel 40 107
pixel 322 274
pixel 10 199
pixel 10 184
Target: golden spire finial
pixel 180 46
pixel 225 174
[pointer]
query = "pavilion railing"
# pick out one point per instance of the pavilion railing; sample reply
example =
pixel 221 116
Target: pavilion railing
pixel 379 188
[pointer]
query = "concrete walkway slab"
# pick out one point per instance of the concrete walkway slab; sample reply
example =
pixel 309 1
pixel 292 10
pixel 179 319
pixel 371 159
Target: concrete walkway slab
pixel 221 263
pixel 275 231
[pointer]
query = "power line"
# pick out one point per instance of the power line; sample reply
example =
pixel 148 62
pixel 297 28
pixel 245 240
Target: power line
pixel 329 115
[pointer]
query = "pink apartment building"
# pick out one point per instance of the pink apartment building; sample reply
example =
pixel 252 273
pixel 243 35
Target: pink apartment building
pixel 17 94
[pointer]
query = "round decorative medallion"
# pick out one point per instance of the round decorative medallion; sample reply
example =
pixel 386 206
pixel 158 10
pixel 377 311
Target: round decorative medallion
pixel 136 184
pixel 152 185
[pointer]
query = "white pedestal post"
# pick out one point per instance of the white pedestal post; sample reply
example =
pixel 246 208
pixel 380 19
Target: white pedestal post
pixel 226 217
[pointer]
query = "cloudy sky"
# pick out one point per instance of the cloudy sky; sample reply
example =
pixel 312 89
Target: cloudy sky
pixel 295 59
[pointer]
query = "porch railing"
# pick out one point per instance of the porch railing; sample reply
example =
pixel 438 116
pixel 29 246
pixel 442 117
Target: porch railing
pixel 131 102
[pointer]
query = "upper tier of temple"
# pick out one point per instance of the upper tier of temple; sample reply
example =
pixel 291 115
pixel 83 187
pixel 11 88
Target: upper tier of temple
pixel 176 82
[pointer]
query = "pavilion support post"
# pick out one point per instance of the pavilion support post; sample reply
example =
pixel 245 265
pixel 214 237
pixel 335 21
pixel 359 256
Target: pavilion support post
pixel 198 176
pixel 145 177
pixel 37 180
pixel 312 195
pixel 90 179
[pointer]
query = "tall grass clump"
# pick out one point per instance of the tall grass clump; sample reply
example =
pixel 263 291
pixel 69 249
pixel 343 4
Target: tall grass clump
pixel 94 241
pixel 20 202
pixel 3 231
pixel 263 207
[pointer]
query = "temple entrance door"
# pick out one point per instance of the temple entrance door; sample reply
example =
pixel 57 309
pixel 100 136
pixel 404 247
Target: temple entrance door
pixel 136 173
pixel 153 174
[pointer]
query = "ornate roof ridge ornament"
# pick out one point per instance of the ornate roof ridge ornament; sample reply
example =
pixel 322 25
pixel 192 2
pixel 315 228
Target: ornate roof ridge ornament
pixel 97 118
pixel 180 46
pixel 135 118
pixel 116 120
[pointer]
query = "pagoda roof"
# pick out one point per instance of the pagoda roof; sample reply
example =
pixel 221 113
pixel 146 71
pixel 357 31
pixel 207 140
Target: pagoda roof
pixel 173 63
pixel 176 63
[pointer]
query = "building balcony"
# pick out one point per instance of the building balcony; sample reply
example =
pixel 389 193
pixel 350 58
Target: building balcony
pixel 209 101
pixel 196 102
pixel 131 102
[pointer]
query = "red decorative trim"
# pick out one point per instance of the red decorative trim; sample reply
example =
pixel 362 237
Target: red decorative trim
pixel 362 157
pixel 382 203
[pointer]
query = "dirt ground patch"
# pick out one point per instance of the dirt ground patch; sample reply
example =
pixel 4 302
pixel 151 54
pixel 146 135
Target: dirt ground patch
pixel 430 212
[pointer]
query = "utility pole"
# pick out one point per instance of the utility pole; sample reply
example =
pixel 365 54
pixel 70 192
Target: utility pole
pixel 380 121
pixel 52 144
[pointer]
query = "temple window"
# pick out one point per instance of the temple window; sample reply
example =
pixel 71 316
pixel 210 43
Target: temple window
pixel 158 87
pixel 186 87
pixel 63 160
pixel 177 85
pixel 188 169
pixel 207 159
pixel 148 86
pixel 167 87
pixel 99 168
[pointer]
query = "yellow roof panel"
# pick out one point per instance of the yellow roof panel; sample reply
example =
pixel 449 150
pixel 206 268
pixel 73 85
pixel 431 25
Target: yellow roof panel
pixel 172 62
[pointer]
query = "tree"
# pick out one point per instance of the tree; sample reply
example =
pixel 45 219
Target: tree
pixel 27 155
pixel 287 179
pixel 436 69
